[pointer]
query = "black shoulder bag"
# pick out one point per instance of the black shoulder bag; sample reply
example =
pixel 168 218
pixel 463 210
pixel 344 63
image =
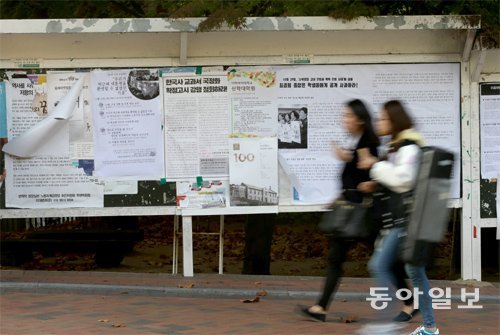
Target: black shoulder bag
pixel 346 219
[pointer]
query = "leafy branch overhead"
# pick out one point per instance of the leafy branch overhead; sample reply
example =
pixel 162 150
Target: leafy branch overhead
pixel 233 12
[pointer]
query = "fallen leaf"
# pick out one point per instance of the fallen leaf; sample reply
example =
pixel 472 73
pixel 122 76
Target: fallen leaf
pixel 103 320
pixel 261 294
pixel 190 285
pixel 348 319
pixel 249 301
pixel 118 325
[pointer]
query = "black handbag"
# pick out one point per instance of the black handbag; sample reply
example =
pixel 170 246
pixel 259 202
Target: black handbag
pixel 346 219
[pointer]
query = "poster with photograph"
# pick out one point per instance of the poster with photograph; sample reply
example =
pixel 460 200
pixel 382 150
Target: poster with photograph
pixel 253 101
pixel 202 193
pixel 197 124
pixel 430 92
pixel 253 163
pixel 43 181
pixel 127 124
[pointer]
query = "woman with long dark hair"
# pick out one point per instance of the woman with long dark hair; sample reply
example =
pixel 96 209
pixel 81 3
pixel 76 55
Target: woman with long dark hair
pixel 357 122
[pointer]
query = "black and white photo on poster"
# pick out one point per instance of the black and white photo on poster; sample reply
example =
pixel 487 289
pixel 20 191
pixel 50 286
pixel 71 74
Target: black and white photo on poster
pixel 292 127
pixel 144 84
pixel 250 195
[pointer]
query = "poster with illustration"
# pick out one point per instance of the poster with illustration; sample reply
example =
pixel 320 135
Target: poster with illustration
pixel 253 101
pixel 202 193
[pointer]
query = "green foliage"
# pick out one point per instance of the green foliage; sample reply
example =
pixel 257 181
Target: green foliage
pixel 233 12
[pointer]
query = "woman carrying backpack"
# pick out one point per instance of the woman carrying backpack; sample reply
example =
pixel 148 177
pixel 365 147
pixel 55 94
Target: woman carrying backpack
pixel 397 175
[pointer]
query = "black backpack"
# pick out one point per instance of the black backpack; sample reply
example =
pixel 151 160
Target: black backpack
pixel 429 214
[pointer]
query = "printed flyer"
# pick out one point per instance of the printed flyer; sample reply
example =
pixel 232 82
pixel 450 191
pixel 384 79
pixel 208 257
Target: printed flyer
pixel 253 165
pixel 489 107
pixel 81 144
pixel 127 124
pixel 202 193
pixel 253 101
pixel 311 101
pixel 45 180
pixel 197 124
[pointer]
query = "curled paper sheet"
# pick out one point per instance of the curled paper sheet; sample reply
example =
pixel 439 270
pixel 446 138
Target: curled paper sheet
pixel 293 181
pixel 27 144
pixel 308 191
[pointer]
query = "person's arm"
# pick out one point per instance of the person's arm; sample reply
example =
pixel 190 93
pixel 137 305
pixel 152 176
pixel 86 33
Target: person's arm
pixel 367 186
pixel 366 159
pixel 398 176
pixel 342 154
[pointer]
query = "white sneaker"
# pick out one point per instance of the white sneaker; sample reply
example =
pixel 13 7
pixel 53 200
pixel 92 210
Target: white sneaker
pixel 422 331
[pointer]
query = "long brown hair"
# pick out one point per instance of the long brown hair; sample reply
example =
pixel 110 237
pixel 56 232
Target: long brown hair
pixel 399 118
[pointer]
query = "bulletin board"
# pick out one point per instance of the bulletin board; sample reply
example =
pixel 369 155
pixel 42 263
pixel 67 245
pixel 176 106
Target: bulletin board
pixel 272 43
pixel 253 136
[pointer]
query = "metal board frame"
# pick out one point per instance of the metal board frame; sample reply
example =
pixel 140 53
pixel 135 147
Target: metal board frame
pixel 187 49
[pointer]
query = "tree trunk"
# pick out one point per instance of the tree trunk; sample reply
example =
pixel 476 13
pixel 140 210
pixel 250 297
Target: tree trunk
pixel 258 239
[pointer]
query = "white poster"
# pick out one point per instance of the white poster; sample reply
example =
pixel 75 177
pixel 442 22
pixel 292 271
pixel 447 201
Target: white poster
pixel 253 166
pixel 197 125
pixel 127 124
pixel 253 101
pixel 202 193
pixel 45 181
pixel 498 206
pixel 81 144
pixel 317 95
pixel 490 129
pixel 120 187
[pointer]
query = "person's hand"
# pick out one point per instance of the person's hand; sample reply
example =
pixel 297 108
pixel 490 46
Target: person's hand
pixel 365 159
pixel 367 186
pixel 342 154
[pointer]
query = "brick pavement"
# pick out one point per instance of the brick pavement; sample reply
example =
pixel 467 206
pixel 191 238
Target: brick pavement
pixel 38 311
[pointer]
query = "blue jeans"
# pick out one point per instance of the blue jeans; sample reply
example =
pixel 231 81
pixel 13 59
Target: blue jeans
pixel 419 280
pixel 381 265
